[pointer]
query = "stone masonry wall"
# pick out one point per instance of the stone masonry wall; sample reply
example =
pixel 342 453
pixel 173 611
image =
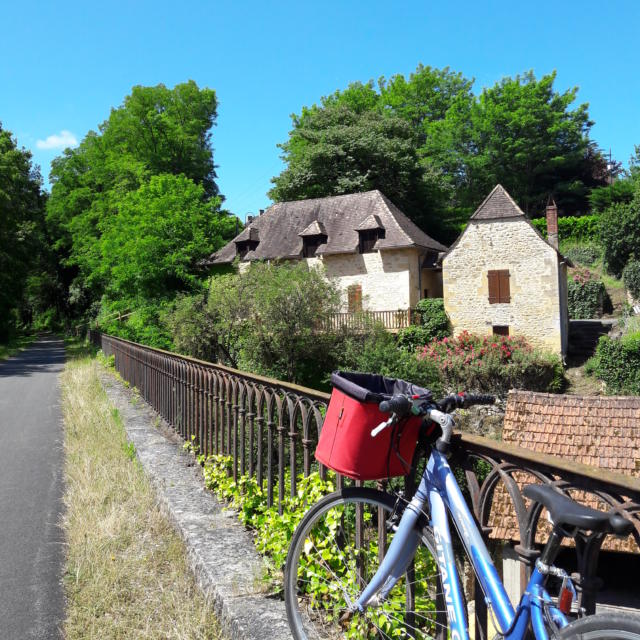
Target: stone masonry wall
pixel 534 310
pixel 388 279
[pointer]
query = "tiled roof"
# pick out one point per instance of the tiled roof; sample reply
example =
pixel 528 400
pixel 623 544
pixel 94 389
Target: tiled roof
pixel 497 205
pixel 599 431
pixel 281 225
pixel 314 229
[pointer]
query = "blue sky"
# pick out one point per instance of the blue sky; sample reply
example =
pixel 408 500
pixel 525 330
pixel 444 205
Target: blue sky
pixel 63 65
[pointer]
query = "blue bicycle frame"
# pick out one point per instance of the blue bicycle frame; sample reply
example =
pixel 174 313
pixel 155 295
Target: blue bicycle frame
pixel 440 490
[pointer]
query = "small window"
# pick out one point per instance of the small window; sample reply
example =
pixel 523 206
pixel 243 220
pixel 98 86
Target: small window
pixel 368 239
pixel 310 245
pixel 499 289
pixel 242 248
pixel 354 298
pixel 500 330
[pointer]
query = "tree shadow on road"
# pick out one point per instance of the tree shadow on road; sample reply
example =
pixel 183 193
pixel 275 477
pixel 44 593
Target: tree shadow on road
pixel 47 354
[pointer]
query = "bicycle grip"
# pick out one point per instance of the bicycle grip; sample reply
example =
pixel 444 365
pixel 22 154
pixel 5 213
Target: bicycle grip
pixel 398 404
pixel 479 398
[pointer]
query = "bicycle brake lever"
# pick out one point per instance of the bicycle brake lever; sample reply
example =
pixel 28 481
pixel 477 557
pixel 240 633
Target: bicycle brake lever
pixel 383 425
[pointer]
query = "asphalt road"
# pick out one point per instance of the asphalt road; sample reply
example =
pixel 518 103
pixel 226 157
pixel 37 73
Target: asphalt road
pixel 31 458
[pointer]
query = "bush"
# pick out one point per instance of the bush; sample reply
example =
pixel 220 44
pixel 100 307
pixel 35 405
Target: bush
pixel 631 277
pixel 377 352
pixel 144 325
pixel 620 234
pixel 580 228
pixel 493 364
pixel 434 323
pixel 587 296
pixel 583 254
pixel 617 363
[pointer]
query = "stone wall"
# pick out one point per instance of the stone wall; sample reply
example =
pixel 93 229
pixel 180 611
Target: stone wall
pixel 389 279
pixel 534 311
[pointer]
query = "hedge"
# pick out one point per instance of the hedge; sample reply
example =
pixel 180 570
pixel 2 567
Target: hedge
pixel 617 363
pixel 587 296
pixel 583 228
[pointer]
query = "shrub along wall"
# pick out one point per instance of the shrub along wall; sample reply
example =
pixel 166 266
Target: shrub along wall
pixel 617 363
pixel 493 364
pixel 587 296
pixel 582 228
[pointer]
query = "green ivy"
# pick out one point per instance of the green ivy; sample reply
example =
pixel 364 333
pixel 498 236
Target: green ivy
pixel 587 296
pixel 631 277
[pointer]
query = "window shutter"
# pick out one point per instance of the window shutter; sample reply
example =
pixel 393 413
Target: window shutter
pixel 505 291
pixel 354 294
pixel 499 287
pixel 494 287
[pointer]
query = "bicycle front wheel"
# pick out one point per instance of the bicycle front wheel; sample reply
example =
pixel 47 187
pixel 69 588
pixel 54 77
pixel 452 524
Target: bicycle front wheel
pixel 335 552
pixel 603 626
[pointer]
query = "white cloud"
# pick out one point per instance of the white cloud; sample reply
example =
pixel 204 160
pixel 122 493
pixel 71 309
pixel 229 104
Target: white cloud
pixel 60 140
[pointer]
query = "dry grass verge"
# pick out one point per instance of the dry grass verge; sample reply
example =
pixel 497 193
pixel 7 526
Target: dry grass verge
pixel 126 572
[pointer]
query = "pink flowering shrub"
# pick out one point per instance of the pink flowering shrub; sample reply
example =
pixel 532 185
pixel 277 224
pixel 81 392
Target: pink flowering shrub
pixel 493 364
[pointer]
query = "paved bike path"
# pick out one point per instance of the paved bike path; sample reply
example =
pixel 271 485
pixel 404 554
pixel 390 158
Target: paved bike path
pixel 31 459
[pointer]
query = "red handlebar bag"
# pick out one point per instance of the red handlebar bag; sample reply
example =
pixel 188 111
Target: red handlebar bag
pixel 345 443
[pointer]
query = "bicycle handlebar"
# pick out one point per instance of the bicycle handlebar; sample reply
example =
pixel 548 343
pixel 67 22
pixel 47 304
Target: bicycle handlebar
pixel 398 404
pixel 401 405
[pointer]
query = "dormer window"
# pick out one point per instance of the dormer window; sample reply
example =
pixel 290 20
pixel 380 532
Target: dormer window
pixel 369 232
pixel 247 241
pixel 310 245
pixel 313 237
pixel 368 239
pixel 243 247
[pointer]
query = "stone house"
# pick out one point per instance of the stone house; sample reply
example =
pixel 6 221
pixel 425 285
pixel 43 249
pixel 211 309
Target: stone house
pixel 502 277
pixel 379 259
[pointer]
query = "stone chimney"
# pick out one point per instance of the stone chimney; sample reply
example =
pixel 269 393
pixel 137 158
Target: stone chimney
pixel 249 219
pixel 552 223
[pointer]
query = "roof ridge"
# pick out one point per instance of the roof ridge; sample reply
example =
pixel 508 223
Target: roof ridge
pixel 497 190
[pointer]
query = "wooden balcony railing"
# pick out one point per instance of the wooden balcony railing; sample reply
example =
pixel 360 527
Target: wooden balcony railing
pixel 391 320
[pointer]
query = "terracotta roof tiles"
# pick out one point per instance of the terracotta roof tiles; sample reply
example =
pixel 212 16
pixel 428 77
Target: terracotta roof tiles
pixel 598 431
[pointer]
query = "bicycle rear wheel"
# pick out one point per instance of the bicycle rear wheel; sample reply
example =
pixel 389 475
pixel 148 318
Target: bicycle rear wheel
pixel 335 552
pixel 603 626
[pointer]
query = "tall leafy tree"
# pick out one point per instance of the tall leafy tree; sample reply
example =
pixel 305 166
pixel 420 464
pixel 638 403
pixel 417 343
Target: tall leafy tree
pixel 523 134
pixel 337 150
pixel 21 225
pixel 106 188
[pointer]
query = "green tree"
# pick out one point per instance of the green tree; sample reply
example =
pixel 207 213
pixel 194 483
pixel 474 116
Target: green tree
pixel 288 306
pixel 620 233
pixel 336 150
pixel 150 248
pixel 524 134
pixel 155 144
pixel 21 227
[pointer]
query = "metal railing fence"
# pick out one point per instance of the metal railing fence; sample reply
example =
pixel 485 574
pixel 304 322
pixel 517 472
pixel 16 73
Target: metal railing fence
pixel 270 429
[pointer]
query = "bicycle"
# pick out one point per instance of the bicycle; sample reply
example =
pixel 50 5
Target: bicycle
pixel 364 563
